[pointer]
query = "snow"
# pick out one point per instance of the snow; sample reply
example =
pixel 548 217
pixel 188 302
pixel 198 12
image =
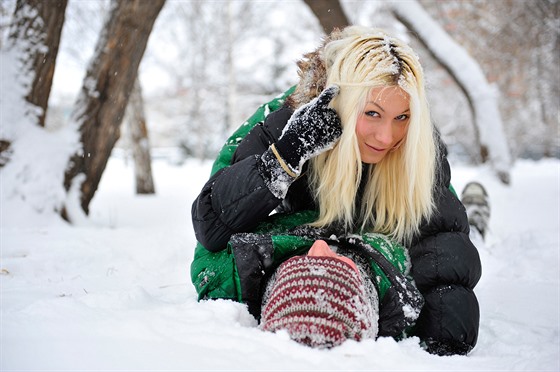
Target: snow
pixel 39 156
pixel 115 293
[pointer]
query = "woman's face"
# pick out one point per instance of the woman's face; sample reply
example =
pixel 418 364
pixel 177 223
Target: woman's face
pixel 383 122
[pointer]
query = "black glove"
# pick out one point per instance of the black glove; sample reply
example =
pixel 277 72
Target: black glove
pixel 312 129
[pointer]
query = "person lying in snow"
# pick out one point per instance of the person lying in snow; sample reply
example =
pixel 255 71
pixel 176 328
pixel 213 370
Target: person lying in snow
pixel 320 299
pixel 351 158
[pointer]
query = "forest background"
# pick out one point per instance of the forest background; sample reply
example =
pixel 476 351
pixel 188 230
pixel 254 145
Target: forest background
pixel 111 290
pixel 209 64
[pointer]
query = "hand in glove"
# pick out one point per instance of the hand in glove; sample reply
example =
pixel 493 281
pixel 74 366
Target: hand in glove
pixel 312 129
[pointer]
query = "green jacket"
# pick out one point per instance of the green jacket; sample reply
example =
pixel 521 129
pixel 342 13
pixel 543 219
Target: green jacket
pixel 239 272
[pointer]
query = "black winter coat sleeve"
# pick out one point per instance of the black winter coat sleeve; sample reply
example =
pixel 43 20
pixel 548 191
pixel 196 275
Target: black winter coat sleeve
pixel 446 267
pixel 235 199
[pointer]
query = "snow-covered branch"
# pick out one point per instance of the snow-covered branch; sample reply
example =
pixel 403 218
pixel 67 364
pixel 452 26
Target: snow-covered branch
pixel 469 76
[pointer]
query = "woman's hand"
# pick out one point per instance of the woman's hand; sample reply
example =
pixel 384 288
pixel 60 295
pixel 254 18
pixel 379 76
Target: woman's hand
pixel 312 129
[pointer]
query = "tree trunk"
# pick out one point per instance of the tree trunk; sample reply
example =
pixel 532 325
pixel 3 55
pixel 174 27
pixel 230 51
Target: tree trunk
pixel 329 13
pixel 469 77
pixel 104 96
pixel 35 37
pixel 5 152
pixel 139 141
pixel 39 23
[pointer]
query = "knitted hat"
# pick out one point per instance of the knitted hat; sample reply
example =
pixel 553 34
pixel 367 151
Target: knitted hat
pixel 320 301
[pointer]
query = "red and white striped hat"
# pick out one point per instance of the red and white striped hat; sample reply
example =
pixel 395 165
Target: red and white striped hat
pixel 320 301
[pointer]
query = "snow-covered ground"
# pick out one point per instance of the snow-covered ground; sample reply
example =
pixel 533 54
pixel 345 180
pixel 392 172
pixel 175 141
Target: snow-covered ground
pixel 115 294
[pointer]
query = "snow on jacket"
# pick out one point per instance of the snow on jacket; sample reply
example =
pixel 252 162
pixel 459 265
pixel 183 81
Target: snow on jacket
pixel 445 264
pixel 238 264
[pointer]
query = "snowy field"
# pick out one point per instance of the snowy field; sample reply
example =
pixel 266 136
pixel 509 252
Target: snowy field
pixel 115 294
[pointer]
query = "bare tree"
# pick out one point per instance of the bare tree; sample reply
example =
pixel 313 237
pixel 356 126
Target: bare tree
pixel 37 26
pixel 469 77
pixel 206 74
pixel 101 105
pixel 516 43
pixel 35 37
pixel 329 13
pixel 139 141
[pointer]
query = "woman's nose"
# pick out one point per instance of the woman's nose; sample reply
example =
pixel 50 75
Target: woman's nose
pixel 384 133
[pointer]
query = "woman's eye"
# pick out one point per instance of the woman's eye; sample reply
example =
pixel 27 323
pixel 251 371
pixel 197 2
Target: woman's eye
pixel 373 114
pixel 402 117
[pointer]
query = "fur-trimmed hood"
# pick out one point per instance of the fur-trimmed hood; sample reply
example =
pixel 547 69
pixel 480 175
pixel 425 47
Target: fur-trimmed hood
pixel 312 74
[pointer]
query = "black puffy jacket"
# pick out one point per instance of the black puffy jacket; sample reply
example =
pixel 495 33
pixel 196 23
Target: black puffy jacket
pixel 445 264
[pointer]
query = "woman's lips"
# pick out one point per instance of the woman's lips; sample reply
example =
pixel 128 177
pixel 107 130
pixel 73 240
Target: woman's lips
pixel 376 149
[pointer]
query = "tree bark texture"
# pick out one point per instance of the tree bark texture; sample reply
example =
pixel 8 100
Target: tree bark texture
pixel 106 89
pixel 140 142
pixel 329 13
pixel 38 23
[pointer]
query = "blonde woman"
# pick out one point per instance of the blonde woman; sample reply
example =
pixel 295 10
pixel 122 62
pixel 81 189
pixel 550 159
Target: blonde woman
pixel 352 160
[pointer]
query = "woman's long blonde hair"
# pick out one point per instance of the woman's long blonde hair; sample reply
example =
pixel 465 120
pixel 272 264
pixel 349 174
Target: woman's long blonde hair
pixel 398 193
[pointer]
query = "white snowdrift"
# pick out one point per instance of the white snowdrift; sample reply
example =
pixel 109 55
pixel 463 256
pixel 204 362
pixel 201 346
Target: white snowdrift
pixel 116 294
